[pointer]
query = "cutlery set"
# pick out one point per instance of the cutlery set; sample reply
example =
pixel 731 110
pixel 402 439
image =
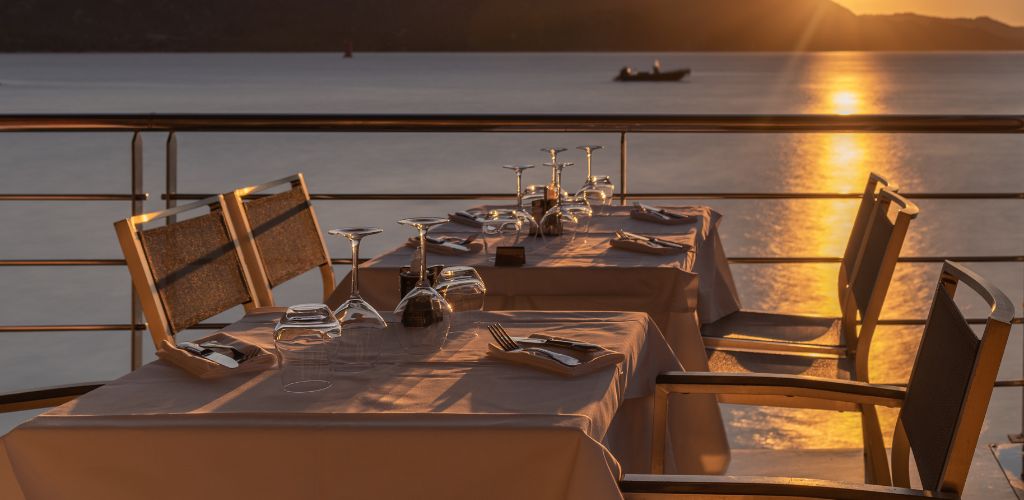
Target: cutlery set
pixel 508 344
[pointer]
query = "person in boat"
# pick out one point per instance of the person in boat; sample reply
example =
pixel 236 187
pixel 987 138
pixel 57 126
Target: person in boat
pixel 625 72
pixel 656 67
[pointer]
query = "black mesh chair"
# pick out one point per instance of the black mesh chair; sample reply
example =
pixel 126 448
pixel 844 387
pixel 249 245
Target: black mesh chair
pixel 884 232
pixel 772 331
pixel 942 409
pixel 186 271
pixel 279 234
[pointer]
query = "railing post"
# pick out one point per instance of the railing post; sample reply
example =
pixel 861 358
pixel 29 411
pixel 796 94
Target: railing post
pixel 171 171
pixel 622 167
pixel 137 208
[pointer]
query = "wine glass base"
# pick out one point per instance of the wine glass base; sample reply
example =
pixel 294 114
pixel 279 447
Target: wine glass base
pixel 306 386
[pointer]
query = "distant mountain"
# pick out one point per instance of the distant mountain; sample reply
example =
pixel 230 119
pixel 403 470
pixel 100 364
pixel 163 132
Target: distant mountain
pixel 481 25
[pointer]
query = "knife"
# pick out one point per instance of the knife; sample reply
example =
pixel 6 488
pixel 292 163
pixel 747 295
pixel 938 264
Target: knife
pixel 576 346
pixel 446 243
pixel 659 241
pixel 209 354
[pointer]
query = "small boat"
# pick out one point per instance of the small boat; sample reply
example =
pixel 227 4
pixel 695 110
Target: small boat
pixel 647 76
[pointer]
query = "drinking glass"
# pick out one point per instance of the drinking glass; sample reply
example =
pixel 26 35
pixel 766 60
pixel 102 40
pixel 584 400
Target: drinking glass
pixel 362 328
pixel 464 290
pixel 598 189
pixel 553 152
pixel 498 228
pixel 301 337
pixel 426 315
pixel 563 212
pixel 520 211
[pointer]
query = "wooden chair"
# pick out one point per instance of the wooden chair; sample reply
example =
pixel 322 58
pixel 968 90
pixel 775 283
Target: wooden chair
pixel 186 271
pixel 868 285
pixel 279 235
pixel 759 330
pixel 942 409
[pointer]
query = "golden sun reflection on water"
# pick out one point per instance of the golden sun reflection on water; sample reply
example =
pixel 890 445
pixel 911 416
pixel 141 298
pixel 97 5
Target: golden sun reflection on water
pixel 825 163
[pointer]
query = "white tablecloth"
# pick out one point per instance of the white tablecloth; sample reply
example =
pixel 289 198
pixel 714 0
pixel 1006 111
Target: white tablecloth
pixel 678 291
pixel 452 425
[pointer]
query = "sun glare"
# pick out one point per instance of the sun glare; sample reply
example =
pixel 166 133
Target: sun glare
pixel 845 102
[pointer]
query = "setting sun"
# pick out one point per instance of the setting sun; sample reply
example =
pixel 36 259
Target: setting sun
pixel 845 102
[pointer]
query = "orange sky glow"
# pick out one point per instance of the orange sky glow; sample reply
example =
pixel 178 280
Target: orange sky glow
pixel 1007 11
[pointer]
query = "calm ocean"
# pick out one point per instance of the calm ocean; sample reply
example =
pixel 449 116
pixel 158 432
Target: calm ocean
pixel 850 82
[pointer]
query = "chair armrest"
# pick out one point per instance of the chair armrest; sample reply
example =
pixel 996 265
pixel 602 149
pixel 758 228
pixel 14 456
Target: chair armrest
pixel 44 398
pixel 774 347
pixel 781 385
pixel 764 486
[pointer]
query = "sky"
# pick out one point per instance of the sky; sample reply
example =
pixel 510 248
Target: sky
pixel 1008 11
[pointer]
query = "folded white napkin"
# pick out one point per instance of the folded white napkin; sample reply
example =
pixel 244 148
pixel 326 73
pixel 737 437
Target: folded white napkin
pixel 258 358
pixel 472 247
pixel 635 245
pixel 467 218
pixel 591 361
pixel 662 216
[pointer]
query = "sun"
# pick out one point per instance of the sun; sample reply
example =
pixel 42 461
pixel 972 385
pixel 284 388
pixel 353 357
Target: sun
pixel 845 102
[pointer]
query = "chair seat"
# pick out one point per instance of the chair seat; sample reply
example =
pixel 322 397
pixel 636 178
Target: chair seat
pixel 773 327
pixel 726 361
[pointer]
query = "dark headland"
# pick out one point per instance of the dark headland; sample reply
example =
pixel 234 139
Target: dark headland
pixel 481 25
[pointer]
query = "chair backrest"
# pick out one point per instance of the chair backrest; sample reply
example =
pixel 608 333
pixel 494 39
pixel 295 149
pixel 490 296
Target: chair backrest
pixel 860 223
pixel 950 385
pixel 279 234
pixel 869 279
pixel 187 271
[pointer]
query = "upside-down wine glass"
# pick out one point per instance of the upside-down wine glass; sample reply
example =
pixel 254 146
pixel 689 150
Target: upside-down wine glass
pixel 358 346
pixel 426 315
pixel 562 212
pixel 597 189
pixel 520 212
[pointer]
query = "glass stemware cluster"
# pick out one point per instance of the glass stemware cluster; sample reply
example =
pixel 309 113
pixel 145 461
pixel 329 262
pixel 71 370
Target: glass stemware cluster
pixel 569 213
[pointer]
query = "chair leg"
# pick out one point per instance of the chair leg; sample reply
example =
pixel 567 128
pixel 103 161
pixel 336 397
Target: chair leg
pixel 876 464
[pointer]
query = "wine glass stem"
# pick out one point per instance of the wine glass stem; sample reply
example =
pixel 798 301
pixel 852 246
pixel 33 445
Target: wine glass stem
pixel 588 168
pixel 558 184
pixel 355 267
pixel 423 257
pixel 519 189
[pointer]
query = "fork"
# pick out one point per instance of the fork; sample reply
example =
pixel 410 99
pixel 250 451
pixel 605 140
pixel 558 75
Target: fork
pixel 508 345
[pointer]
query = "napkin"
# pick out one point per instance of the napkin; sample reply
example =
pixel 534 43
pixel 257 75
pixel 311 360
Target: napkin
pixel 591 361
pixel 467 218
pixel 650 247
pixel 260 359
pixel 473 246
pixel 674 218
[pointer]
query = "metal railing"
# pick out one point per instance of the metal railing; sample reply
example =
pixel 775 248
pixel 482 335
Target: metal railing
pixel 618 124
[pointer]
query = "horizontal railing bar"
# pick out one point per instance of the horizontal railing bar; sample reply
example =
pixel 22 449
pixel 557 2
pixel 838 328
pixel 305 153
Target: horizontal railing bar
pixel 732 260
pixel 73 197
pixel 1000 124
pixel 917 260
pixel 643 196
pixel 61 262
pixel 217 326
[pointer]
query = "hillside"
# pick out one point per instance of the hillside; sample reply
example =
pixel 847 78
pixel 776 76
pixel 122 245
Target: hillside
pixel 481 25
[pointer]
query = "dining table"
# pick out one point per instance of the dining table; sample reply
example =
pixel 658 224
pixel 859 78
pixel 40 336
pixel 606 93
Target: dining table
pixel 679 291
pixel 455 423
